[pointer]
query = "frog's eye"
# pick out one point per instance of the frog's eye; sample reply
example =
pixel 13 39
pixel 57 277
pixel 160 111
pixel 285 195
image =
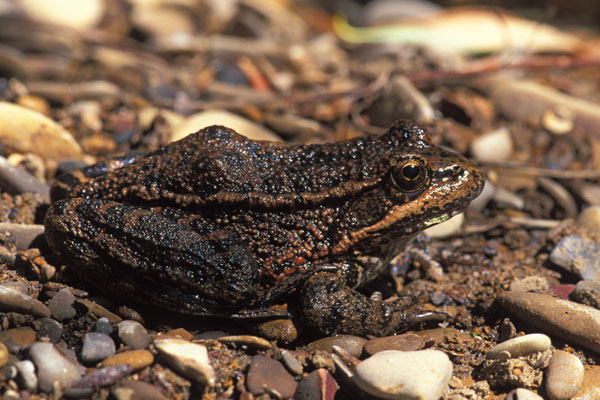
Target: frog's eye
pixel 410 175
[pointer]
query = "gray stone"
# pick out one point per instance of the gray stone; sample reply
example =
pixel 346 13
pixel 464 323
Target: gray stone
pixel 578 255
pixel 587 292
pixel 103 325
pixel 14 301
pixel 61 305
pixel 96 347
pixel 53 367
pixel 133 334
pixel 48 327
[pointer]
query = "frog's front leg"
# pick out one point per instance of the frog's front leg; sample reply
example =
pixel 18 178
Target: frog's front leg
pixel 332 307
pixel 161 256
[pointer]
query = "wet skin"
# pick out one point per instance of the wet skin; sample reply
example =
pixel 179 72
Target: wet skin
pixel 217 224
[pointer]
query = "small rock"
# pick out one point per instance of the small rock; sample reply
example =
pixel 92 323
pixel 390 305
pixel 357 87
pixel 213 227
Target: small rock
pixel 27 376
pixel 529 284
pixel 404 342
pixel 18 338
pixel 11 395
pixel 48 327
pixel 318 385
pixel 180 333
pixel 587 292
pixel 252 342
pixel 137 390
pixel 588 220
pixel 3 355
pixel 99 311
pixel 131 314
pixel 25 234
pixel 496 145
pixel 572 322
pixel 103 325
pixel 392 374
pixel 241 125
pixel 578 255
pixel 138 359
pixel 133 334
pixel 61 305
pixel 562 291
pixel 590 389
pixel 12 300
pixel 564 376
pixel 103 376
pixel 522 394
pixel 79 16
pixel 440 335
pixel 96 347
pixel 8 372
pixel 520 346
pixel 15 180
pixel 280 330
pixel 188 359
pixel 291 363
pixel 352 344
pixel 53 367
pixel 264 371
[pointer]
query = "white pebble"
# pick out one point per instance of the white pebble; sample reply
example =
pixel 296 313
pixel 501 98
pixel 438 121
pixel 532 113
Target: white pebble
pixel 446 228
pixel 187 358
pixel 27 375
pixel 523 394
pixel 496 145
pixel 520 346
pixel 564 376
pixel 396 374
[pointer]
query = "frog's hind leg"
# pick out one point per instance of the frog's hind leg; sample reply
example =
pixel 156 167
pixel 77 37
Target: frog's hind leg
pixel 330 306
pixel 161 256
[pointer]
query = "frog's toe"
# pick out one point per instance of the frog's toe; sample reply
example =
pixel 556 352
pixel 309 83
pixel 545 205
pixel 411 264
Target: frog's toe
pixel 330 306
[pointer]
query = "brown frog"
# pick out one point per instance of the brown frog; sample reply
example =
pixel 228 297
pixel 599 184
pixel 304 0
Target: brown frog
pixel 217 224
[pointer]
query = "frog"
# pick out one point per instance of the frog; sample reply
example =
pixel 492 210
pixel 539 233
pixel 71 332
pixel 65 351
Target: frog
pixel 220 225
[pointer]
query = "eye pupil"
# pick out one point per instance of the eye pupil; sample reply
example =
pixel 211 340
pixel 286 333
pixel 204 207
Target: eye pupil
pixel 411 172
pixel 410 176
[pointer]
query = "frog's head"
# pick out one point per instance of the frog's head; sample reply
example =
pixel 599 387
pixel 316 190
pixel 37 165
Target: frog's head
pixel 420 185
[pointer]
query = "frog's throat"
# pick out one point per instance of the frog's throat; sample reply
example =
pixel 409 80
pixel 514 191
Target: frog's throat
pixel 391 218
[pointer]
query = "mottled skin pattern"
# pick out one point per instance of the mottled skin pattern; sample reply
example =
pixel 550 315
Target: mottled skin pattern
pixel 217 224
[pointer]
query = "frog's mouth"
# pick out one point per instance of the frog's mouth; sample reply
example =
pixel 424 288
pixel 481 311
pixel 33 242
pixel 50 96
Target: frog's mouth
pixel 438 220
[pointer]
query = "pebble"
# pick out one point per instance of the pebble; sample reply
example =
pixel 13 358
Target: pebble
pixel 522 394
pixel 133 334
pixel 61 305
pixel 252 342
pixel 243 126
pixel 96 347
pixel 578 255
pixel 572 322
pixel 564 376
pixel 103 325
pixel 188 359
pixel 27 375
pixel 77 15
pixel 520 346
pixel 25 234
pixel 587 292
pixel 3 355
pixel 280 330
pixel 529 284
pixel 14 301
pixel 440 335
pixel 53 367
pixel 393 374
pixel 496 145
pixel 588 220
pixel 404 342
pixel 291 363
pixel 352 344
pixel 15 180
pixel 318 385
pixel 137 390
pixel 269 373
pixel 590 389
pixel 99 311
pixel 29 131
pixel 17 339
pixel 103 376
pixel 138 359
pixel 48 327
pixel 180 333
pixel 8 372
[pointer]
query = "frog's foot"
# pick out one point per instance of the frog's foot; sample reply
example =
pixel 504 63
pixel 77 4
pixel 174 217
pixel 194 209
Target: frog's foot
pixel 332 307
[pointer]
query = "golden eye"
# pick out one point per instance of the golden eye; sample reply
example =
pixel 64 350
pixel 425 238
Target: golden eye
pixel 410 176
